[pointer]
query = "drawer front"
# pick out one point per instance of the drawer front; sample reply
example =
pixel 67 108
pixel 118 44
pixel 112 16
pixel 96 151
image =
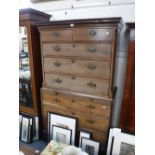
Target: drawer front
pixel 97 135
pixel 89 86
pixel 90 68
pixel 92 34
pixel 99 124
pixel 84 50
pixel 56 35
pixel 83 105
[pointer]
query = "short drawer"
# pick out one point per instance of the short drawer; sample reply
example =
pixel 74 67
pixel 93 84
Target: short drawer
pixel 80 104
pixel 56 35
pixel 92 34
pixel 79 50
pixel 79 67
pixel 97 87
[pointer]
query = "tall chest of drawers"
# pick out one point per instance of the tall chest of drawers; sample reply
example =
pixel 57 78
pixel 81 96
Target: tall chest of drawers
pixel 78 63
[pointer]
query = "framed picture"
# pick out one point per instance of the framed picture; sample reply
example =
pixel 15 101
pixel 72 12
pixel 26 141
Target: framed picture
pixel 90 146
pixel 20 124
pixel 62 121
pixel 25 129
pixel 60 134
pixel 33 125
pixel 36 128
pixel 124 144
pixel 84 133
pixel 114 132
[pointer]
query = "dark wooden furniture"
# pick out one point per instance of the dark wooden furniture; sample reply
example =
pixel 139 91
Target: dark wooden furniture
pixel 78 63
pixel 127 122
pixel 30 60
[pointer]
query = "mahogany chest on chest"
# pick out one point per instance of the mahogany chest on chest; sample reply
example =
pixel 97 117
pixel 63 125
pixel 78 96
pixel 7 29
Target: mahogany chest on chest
pixel 78 64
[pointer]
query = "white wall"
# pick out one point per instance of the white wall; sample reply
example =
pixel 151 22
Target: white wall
pixel 73 9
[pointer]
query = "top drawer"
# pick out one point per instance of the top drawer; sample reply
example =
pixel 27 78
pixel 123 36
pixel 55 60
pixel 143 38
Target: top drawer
pixel 56 35
pixel 92 34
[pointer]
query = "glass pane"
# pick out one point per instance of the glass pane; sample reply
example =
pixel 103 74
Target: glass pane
pixel 127 149
pixel 25 87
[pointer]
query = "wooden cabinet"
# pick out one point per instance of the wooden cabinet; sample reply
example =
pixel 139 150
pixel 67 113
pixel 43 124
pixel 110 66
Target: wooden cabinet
pixel 127 123
pixel 30 71
pixel 78 63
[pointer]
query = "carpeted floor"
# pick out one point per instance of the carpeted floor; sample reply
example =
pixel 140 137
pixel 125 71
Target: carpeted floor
pixel 29 149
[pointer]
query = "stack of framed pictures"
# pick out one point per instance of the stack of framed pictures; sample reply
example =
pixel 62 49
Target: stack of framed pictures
pixel 87 144
pixel 120 143
pixel 61 128
pixel 28 128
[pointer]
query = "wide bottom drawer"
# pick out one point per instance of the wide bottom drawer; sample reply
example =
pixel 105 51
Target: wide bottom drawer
pixel 98 126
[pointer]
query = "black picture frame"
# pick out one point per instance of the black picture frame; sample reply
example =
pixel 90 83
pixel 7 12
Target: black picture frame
pixel 84 133
pixel 60 137
pixel 62 124
pixel 90 146
pixel 33 126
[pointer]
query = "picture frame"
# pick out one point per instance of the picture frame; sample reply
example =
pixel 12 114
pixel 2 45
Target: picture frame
pixel 90 146
pixel 61 121
pixel 20 124
pixel 60 134
pixel 84 133
pixel 36 128
pixel 25 129
pixel 113 132
pixel 124 144
pixel 33 126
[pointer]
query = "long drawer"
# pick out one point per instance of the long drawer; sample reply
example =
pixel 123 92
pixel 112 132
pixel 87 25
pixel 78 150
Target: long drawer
pixel 92 34
pixel 56 35
pixel 98 124
pixel 97 87
pixel 78 49
pixel 81 104
pixel 99 69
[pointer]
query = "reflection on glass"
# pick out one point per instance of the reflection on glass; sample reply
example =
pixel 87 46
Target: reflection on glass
pixel 25 92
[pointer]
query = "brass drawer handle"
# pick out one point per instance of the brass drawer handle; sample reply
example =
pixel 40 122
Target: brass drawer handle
pixel 91 121
pixel 73 77
pixel 92 50
pixel 72 113
pixel 91 84
pixel 91 66
pixel 73 45
pixel 57 63
pixel 57 48
pixel 92 33
pixel 56 100
pixel 73 61
pixel 73 101
pixel 55 34
pixel 91 106
pixel 58 80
